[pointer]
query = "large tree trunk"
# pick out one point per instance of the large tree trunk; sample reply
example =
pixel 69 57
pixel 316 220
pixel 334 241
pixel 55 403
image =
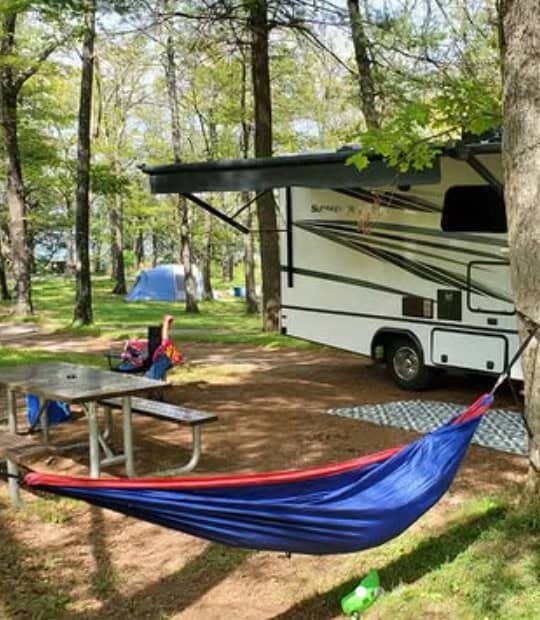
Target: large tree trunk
pixel 83 298
pixel 117 246
pixel 521 158
pixel 364 63
pixel 9 90
pixel 184 210
pixel 266 208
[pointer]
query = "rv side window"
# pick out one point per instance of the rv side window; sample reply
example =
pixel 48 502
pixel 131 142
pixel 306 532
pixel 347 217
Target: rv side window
pixel 473 208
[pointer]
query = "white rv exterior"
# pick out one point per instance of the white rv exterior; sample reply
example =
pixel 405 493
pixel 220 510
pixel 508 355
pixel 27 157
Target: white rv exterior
pixel 372 271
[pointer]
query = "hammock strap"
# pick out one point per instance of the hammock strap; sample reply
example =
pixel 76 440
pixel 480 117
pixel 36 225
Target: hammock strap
pixel 505 374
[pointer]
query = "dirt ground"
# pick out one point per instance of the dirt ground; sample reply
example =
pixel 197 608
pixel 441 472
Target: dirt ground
pixel 271 406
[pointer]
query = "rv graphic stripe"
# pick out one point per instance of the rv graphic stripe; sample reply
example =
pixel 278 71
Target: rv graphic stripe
pixel 390 200
pixel 400 319
pixel 345 234
pixel 321 275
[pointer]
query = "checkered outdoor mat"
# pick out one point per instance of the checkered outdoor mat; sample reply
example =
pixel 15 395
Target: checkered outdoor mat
pixel 500 429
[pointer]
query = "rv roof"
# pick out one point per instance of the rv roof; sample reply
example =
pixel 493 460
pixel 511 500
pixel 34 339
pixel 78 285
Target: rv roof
pixel 317 170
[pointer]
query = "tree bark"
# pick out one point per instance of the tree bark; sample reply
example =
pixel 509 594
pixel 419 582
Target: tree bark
pixel 184 210
pixel 521 159
pixel 208 293
pixel 252 305
pixel 83 297
pixel 139 248
pixel 266 208
pixel 155 249
pixel 17 209
pixel 227 263
pixel 4 289
pixel 117 246
pixel 364 63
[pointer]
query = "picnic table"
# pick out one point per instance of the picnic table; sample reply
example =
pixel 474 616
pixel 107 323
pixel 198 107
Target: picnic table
pixel 81 385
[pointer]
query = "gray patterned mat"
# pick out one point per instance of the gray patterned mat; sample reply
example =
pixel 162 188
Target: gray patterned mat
pixel 500 429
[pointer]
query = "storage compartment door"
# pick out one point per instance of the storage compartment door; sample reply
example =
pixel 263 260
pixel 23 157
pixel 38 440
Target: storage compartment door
pixel 464 350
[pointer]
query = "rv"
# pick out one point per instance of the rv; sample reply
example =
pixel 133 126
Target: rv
pixel 409 268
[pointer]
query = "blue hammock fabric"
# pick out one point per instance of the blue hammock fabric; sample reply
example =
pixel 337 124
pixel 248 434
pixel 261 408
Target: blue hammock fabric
pixel 339 508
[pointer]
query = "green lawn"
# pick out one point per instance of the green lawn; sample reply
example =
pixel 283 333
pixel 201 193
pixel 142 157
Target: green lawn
pixel 223 320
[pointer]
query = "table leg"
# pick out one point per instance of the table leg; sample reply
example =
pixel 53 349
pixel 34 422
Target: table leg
pixel 193 461
pixel 107 431
pixel 128 436
pixel 93 433
pixel 13 470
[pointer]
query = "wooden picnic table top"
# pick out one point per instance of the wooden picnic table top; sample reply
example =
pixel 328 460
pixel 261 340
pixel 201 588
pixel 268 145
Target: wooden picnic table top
pixel 72 383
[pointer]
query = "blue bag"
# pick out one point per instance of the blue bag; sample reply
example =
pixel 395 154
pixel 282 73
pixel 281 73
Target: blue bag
pixel 57 411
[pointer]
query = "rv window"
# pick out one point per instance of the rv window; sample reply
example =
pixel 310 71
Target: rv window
pixel 473 208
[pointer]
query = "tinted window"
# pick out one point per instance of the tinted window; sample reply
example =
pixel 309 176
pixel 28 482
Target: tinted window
pixel 473 208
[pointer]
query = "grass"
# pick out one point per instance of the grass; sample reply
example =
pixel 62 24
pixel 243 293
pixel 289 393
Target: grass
pixel 224 321
pixel 484 564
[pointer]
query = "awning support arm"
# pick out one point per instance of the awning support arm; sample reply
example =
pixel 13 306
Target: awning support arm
pixel 249 203
pixel 219 214
pixel 466 155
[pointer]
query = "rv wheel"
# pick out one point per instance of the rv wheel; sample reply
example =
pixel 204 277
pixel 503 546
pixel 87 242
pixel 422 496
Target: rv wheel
pixel 405 361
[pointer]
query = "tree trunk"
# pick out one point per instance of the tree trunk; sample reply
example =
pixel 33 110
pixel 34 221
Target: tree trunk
pixel 4 290
pixel 227 263
pixel 266 208
pixel 190 286
pixel 184 210
pixel 364 63
pixel 97 258
pixel 208 293
pixel 139 248
pixel 252 305
pixel 155 249
pixel 521 159
pixel 117 246
pixel 20 254
pixel 83 297
pixel 68 238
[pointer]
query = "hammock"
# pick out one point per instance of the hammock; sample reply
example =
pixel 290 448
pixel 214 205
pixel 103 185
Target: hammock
pixel 338 508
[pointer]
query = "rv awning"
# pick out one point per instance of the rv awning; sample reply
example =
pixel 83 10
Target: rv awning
pixel 320 170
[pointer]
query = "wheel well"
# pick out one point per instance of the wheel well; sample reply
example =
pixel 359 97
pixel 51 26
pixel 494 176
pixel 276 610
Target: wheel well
pixel 383 338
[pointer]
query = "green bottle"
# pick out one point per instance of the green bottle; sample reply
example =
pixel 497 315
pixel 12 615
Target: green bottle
pixel 363 596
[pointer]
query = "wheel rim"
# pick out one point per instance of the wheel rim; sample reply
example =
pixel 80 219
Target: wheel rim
pixel 406 363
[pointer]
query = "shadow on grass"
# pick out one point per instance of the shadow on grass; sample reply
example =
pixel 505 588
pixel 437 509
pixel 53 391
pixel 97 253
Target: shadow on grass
pixel 32 589
pixel 24 590
pixel 426 557
pixel 175 592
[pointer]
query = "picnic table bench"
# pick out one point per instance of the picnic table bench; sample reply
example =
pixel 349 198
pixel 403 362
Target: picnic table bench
pixel 170 413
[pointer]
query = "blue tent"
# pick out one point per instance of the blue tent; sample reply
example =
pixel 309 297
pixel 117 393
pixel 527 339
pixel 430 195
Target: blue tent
pixel 162 283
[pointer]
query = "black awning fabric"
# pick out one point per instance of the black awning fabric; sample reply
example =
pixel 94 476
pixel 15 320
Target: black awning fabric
pixel 321 170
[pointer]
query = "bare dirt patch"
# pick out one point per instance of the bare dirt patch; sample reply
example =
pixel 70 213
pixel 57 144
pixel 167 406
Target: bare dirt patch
pixel 271 407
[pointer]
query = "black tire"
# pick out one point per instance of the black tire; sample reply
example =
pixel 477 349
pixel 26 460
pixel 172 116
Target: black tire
pixel 405 362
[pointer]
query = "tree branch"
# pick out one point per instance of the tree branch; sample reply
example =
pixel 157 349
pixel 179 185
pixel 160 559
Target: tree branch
pixel 42 57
